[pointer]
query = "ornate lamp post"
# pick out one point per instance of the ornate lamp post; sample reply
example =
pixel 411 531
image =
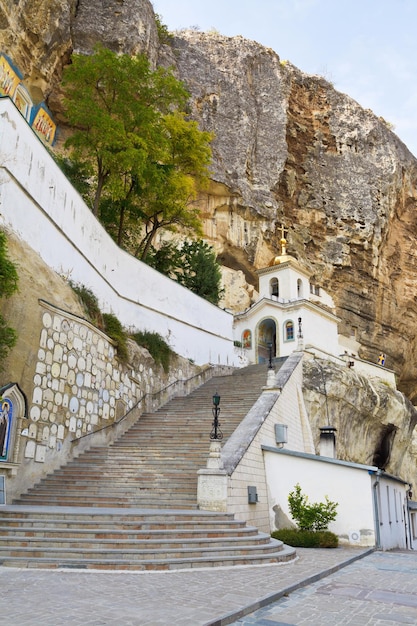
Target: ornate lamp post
pixel 216 433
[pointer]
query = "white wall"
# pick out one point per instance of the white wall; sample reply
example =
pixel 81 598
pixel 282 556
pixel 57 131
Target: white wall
pixel 349 486
pixel 242 454
pixel 318 328
pixel 39 204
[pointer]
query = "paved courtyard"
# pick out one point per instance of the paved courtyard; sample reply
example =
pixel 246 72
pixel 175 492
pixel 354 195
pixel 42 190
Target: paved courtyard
pixel 378 589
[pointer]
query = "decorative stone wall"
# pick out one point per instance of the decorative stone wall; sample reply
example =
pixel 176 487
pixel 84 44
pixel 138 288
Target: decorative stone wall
pixel 78 383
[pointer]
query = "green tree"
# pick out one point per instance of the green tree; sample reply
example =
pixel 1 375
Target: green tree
pixel 316 516
pixel 8 285
pixel 147 160
pixel 166 259
pixel 193 264
pixel 200 271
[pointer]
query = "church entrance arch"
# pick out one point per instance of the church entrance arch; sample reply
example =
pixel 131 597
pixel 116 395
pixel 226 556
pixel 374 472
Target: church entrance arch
pixel 266 344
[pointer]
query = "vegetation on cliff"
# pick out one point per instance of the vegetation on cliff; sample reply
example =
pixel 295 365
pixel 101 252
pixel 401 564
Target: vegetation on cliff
pixel 109 323
pixel 144 160
pixel 8 285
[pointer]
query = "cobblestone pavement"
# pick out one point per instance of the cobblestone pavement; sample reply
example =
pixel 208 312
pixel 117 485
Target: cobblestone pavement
pixel 378 589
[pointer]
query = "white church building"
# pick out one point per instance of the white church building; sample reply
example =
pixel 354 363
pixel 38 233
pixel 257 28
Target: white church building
pixel 291 312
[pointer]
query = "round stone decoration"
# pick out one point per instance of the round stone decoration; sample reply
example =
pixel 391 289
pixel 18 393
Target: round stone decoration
pixel 74 405
pixel 35 413
pixel 47 320
pixel 55 370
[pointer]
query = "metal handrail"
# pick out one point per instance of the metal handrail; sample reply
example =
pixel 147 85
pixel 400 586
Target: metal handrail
pixel 182 382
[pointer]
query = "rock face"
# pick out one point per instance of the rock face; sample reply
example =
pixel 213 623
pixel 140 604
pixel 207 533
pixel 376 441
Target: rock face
pixel 289 149
pixel 22 310
pixel 40 35
pixel 381 419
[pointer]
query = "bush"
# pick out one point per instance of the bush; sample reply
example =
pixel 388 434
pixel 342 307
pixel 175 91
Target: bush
pixel 114 329
pixel 316 516
pixel 89 302
pixel 157 346
pixel 163 33
pixel 8 285
pixel 106 321
pixel 306 538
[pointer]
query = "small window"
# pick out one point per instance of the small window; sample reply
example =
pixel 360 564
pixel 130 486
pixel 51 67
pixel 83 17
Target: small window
pixel 289 331
pixel 274 287
pixel 315 289
pixel 299 288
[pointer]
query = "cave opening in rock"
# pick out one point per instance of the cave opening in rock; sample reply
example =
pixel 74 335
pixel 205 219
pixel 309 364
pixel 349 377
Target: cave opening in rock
pixel 382 452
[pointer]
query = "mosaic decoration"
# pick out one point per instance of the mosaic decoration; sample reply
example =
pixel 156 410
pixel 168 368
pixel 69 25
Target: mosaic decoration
pixel 78 384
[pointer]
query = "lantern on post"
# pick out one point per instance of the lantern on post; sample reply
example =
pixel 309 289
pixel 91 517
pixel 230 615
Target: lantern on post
pixel 216 433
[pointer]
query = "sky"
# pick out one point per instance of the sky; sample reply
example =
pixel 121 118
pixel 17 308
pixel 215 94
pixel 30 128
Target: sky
pixel 366 48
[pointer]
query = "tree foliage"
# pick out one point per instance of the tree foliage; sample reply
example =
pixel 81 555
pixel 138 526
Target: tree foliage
pixel 8 285
pixel 316 516
pixel 145 160
pixel 193 264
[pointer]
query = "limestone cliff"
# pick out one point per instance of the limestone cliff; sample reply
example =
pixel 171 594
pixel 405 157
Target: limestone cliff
pixel 289 149
pixel 40 36
pixel 374 423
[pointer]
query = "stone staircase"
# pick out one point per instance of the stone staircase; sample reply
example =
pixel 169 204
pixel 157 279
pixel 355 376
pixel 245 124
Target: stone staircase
pixel 131 539
pixel 132 505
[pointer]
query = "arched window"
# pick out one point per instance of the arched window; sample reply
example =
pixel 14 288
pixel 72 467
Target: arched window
pixel 300 288
pixel 289 331
pixel 274 287
pixel 247 339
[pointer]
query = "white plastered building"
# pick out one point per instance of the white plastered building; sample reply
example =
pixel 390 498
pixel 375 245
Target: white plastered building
pixel 291 313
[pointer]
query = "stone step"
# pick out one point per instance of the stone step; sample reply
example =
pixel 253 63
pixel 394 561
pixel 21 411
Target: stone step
pixel 120 500
pixel 145 546
pixel 286 554
pixel 87 552
pixel 120 517
pixel 132 505
pixel 131 539
pixel 66 532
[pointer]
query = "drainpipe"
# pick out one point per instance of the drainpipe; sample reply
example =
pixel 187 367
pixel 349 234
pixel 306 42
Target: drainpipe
pixel 408 534
pixel 376 508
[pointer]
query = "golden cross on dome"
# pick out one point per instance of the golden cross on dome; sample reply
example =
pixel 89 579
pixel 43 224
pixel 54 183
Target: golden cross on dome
pixel 283 240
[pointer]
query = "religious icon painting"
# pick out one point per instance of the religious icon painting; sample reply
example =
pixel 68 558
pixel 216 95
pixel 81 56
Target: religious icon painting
pixel 247 339
pixel 6 417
